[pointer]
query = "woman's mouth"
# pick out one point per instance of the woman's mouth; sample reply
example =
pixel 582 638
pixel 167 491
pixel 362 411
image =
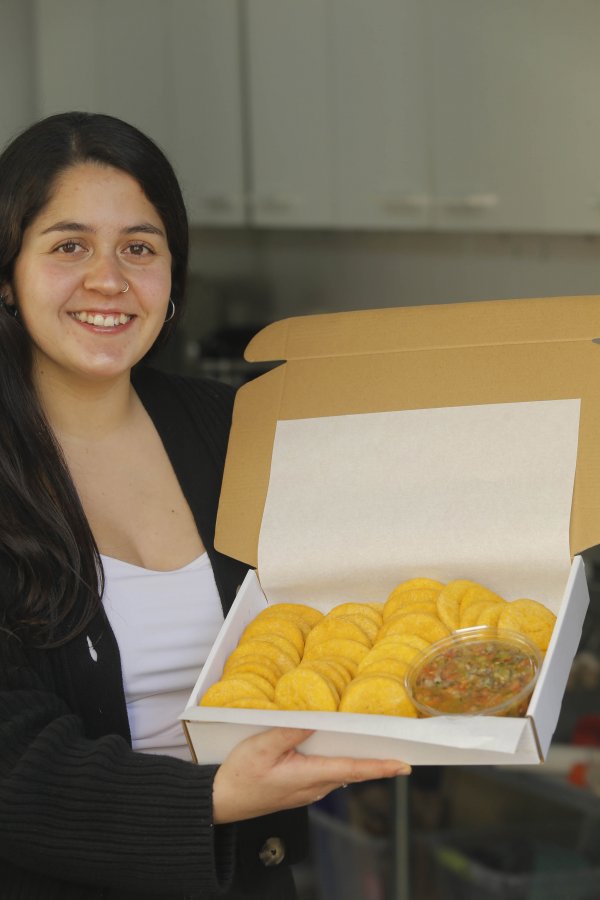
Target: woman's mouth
pixel 112 320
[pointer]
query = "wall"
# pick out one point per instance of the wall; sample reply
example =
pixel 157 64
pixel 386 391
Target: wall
pixel 295 272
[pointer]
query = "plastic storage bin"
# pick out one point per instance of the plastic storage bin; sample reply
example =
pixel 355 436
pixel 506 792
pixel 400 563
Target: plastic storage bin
pixel 349 864
pixel 512 865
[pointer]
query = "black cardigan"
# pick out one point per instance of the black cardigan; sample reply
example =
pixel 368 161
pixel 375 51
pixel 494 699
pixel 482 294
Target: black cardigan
pixel 81 814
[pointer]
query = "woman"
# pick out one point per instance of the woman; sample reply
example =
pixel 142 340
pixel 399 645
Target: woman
pixel 111 591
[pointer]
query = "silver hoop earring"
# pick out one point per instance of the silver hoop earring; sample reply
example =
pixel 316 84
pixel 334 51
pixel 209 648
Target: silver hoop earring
pixel 171 311
pixel 125 289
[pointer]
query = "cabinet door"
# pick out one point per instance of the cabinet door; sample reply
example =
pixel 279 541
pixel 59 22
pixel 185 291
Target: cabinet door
pixel 17 99
pixel 105 56
pixel 171 69
pixel 288 84
pixel 205 96
pixel 380 118
pixel 515 134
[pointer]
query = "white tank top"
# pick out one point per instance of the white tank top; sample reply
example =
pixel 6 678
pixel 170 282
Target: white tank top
pixel 165 624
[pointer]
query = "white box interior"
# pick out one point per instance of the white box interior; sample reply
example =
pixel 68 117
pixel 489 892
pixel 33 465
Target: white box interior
pixel 480 492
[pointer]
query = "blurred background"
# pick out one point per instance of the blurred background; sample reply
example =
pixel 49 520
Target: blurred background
pixel 341 154
pixel 345 154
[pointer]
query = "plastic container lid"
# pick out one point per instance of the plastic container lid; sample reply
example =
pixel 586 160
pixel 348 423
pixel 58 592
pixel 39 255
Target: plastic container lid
pixel 475 671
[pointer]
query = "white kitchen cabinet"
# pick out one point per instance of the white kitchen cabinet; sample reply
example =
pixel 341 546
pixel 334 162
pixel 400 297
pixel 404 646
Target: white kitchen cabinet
pixel 207 140
pixel 379 114
pixel 336 113
pixel 104 56
pixel 17 97
pixel 474 115
pixel 170 68
pixel 515 134
pixel 471 115
pixel 289 112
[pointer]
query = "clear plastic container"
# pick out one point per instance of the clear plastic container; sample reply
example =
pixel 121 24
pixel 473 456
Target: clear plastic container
pixel 475 671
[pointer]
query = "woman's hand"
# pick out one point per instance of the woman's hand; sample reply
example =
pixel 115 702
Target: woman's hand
pixel 265 774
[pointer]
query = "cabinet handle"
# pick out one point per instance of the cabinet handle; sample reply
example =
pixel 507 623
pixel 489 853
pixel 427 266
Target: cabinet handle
pixel 274 203
pixel 218 203
pixel 403 203
pixel 475 202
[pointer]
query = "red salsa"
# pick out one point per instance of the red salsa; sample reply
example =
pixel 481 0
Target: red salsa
pixel 476 676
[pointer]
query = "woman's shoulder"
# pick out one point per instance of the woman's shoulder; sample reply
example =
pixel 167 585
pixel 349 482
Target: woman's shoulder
pixel 163 394
pixel 182 407
pixel 156 382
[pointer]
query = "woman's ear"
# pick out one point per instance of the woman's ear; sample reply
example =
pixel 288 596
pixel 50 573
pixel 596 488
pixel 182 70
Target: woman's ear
pixel 7 300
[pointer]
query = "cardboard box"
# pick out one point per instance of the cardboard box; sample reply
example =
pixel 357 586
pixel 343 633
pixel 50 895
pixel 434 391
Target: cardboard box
pixel 443 441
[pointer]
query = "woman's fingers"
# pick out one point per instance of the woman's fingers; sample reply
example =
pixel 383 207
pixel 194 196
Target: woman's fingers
pixel 345 770
pixel 278 742
pixel 266 773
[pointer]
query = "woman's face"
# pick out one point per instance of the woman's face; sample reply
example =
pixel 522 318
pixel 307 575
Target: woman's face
pixel 97 233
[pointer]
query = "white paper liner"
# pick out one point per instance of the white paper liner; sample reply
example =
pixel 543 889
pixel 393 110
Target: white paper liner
pixel 358 503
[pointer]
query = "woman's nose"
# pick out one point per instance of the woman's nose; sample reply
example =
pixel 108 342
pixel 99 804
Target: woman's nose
pixel 103 275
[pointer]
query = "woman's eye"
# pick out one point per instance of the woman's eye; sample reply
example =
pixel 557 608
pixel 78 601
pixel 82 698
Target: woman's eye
pixel 68 247
pixel 139 249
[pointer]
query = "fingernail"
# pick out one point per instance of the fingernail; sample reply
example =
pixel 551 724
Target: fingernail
pixel 404 769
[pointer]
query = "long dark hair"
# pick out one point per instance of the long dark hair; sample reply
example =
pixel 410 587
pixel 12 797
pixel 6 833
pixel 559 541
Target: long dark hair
pixel 46 544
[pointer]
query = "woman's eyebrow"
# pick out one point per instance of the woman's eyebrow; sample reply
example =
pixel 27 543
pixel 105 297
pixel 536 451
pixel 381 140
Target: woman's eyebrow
pixel 145 228
pixel 67 226
pixel 142 227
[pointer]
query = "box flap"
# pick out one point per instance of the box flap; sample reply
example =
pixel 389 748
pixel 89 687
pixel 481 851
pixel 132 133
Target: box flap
pixel 414 358
pixel 483 324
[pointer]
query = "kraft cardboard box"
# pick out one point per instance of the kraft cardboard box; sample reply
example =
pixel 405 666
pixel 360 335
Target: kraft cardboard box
pixel 454 441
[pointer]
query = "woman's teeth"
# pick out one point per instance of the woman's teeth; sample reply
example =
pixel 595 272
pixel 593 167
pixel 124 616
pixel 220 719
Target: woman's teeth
pixel 102 321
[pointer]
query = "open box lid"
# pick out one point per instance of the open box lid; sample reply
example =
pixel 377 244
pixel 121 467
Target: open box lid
pixel 414 358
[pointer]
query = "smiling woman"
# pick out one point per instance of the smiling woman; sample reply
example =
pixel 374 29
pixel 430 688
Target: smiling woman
pixel 97 232
pixel 111 590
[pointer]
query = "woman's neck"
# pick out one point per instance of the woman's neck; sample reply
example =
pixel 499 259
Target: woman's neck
pixel 85 408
